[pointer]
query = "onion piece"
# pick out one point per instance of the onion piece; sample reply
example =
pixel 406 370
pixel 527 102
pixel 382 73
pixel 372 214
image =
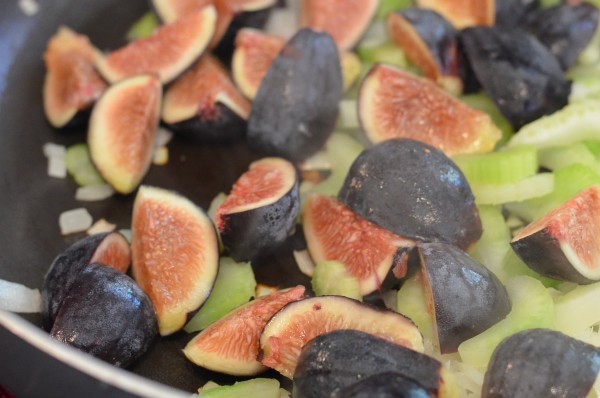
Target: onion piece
pixel 29 7
pixel 305 263
pixel 57 167
pixel 15 297
pixel 161 156
pixel 52 150
pixel 101 226
pixel 76 220
pixel 92 193
pixel 163 137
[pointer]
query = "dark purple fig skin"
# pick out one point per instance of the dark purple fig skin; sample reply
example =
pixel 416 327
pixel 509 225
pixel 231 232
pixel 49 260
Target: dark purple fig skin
pixel 64 270
pixel 336 360
pixel 541 363
pixel 413 190
pixel 296 107
pixel 384 385
pixel 227 128
pixel 467 297
pixel 564 29
pixel 106 314
pixel 522 77
pixel 512 13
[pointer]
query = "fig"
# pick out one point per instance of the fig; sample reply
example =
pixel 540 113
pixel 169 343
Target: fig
pixel 335 363
pixel 466 297
pixel 297 323
pixel 430 42
pixel 260 211
pixel 463 13
pixel 513 13
pixel 204 103
pixel 541 363
pixel 71 84
pixel 522 77
pixel 334 232
pixel 231 344
pixel 345 20
pixel 168 52
pixel 296 106
pixel 563 244
pixel 106 315
pixel 414 191
pixel 175 255
pixel 122 128
pixel 396 104
pixel 565 30
pixel 110 249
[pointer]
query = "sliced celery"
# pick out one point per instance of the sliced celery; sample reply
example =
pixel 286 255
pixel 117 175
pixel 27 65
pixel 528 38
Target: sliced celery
pixel 385 53
pixel 80 167
pixel 348 117
pixel 591 53
pixel 577 310
pixel 583 71
pixel 387 6
pixel 531 187
pixel 253 388
pixel 143 27
pixel 332 278
pixel 512 265
pixel 494 243
pixel 593 146
pixel 485 104
pixel 411 303
pixel 558 157
pixel 585 88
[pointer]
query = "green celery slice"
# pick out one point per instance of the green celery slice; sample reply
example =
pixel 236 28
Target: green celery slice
pixel 332 278
pixel 253 388
pixel 585 88
pixel 485 104
pixel 593 146
pixel 512 265
pixel 531 187
pixel 387 6
pixel 143 27
pixel 80 167
pixel 555 158
pixel 494 242
pixel 576 310
pixel 385 53
pixel 410 302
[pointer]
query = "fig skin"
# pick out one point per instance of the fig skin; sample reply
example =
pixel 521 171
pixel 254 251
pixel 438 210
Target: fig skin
pixel 228 127
pixel 467 297
pixel 337 360
pixel 522 77
pixel 384 385
pixel 296 106
pixel 107 315
pixel 541 363
pixel 513 13
pixel 413 190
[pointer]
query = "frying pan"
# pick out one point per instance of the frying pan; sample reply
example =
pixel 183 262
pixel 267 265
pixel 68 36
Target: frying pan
pixel 32 364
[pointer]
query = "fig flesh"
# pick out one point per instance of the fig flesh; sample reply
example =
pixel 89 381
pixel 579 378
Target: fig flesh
pixel 396 104
pixel 541 363
pixel 110 249
pixel 522 77
pixel 466 297
pixel 107 315
pixel 205 104
pixel 296 107
pixel 563 244
pixel 463 13
pixel 122 129
pixel 260 211
pixel 414 191
pixel 71 83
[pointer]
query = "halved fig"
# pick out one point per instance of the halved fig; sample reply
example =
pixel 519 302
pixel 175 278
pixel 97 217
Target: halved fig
pixel 231 344
pixel 175 255
pixel 430 42
pixel 396 104
pixel 205 104
pixel 110 249
pixel 413 190
pixel 463 13
pixel 466 297
pixel 564 244
pixel 297 124
pixel 299 322
pixel 260 211
pixel 122 128
pixel 342 359
pixel 513 13
pixel 334 232
pixel 522 77
pixel 168 52
pixel 564 29
pixel 345 20
pixel 71 83
pixel 541 363
pixel 106 314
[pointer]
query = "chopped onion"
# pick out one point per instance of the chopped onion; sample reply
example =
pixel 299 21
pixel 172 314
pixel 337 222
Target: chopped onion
pixel 57 167
pixel 76 220
pixel 305 263
pixel 52 150
pixel 161 156
pixel 163 137
pixel 29 7
pixel 101 226
pixel 15 297
pixel 283 22
pixel 92 193
pixel 348 118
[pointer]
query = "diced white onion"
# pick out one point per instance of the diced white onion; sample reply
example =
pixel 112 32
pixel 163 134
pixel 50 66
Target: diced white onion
pixel 29 7
pixel 57 167
pixel 101 226
pixel 52 150
pixel 163 137
pixel 126 233
pixel 15 297
pixel 92 193
pixel 76 220
pixel 305 263
pixel 161 156
pixel 283 22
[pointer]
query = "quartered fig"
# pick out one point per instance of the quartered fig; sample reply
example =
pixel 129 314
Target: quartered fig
pixel 205 104
pixel 465 296
pixel 563 244
pixel 260 211
pixel 110 249
pixel 513 13
pixel 334 232
pixel 71 83
pixel 231 344
pixel 343 363
pixel 175 255
pixel 564 29
pixel 396 104
pixel 541 363
pixel 107 315
pixel 122 130
pixel 413 190
pixel 463 13
pixel 296 107
pixel 299 322
pixel 522 77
